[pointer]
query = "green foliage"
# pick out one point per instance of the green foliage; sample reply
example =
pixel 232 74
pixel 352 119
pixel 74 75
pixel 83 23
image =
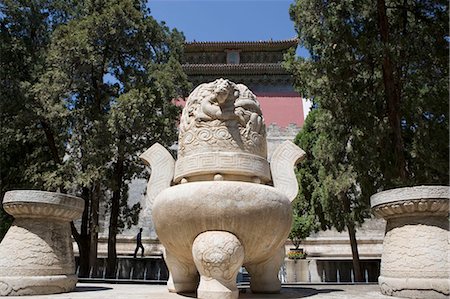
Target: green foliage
pixel 302 226
pixel 25 29
pixel 100 81
pixel 112 73
pixel 86 87
pixel 347 81
pixel 350 137
pixel 327 183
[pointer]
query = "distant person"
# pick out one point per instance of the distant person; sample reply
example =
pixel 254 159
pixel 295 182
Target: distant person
pixel 139 243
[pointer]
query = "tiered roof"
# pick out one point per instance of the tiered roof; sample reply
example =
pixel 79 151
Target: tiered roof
pixel 256 57
pixel 272 45
pixel 232 69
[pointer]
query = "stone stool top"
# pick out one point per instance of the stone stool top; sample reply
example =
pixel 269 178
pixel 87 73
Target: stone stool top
pixel 41 204
pixel 420 200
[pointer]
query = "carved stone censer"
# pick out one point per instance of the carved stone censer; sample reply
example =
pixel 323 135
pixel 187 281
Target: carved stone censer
pixel 221 205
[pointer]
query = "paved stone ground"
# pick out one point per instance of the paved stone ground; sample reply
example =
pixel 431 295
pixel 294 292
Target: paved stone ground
pixel 145 291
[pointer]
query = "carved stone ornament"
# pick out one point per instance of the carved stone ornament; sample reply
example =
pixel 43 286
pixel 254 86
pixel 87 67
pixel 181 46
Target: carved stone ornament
pixel 222 119
pixel 414 262
pixel 162 164
pixel 218 256
pixel 221 211
pixel 286 155
pixel 36 255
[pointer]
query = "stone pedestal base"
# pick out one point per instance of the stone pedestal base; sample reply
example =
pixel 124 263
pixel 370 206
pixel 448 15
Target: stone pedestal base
pixel 37 285
pixel 415 263
pixel 36 255
pixel 414 287
pixel 258 218
pixel 297 270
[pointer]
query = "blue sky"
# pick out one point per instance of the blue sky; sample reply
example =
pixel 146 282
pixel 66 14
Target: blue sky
pixel 227 20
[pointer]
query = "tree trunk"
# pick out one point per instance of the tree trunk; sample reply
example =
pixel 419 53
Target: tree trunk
pixel 83 238
pixel 355 255
pixel 83 242
pixel 393 92
pixel 51 142
pixel 112 253
pixel 113 220
pixel 93 226
pixel 50 137
pixel 83 248
pixel 352 235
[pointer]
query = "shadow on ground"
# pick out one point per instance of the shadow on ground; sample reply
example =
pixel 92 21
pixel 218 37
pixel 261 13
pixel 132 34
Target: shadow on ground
pixel 90 289
pixel 188 295
pixel 286 293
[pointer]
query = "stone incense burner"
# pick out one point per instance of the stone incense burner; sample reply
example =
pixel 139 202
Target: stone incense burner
pixel 221 205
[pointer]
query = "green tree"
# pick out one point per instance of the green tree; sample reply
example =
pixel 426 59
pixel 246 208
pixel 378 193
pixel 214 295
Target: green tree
pixel 378 73
pixel 329 193
pixel 102 95
pixel 25 29
pixel 306 213
pixel 302 226
pixel 116 70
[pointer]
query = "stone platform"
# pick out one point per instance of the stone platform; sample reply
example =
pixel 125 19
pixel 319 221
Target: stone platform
pixel 141 291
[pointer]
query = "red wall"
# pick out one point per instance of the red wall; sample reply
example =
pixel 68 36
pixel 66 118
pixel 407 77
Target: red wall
pixel 279 108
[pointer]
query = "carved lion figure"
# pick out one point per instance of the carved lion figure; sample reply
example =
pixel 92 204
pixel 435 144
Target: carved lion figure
pixel 224 116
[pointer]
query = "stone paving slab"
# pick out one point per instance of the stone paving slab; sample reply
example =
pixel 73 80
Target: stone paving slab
pixel 145 291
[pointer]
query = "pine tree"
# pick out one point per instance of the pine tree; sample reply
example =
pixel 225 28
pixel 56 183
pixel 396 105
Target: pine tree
pixel 378 73
pixel 102 94
pixel 114 119
pixel 25 30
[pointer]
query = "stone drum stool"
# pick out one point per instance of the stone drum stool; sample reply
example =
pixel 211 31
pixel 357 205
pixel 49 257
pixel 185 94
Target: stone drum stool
pixel 36 255
pixel 415 258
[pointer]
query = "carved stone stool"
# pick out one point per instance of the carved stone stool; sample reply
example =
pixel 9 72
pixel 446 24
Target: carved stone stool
pixel 415 259
pixel 36 255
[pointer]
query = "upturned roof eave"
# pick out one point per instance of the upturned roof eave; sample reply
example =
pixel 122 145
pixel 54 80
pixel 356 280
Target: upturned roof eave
pixel 210 46
pixel 246 68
